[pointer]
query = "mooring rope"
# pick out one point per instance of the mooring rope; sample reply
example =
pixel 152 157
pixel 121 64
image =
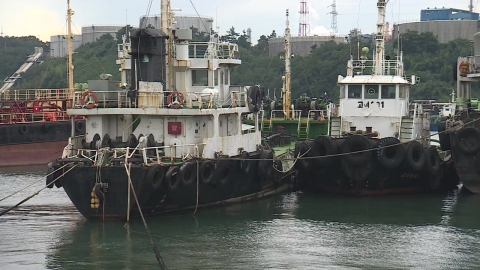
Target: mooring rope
pixel 34 194
pixel 155 249
pixel 36 181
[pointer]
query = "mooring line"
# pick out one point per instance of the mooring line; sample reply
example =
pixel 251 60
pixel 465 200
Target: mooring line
pixel 34 194
pixel 155 249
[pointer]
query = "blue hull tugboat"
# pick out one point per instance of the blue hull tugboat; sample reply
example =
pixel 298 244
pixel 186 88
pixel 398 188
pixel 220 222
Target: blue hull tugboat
pixel 378 141
pixel 173 139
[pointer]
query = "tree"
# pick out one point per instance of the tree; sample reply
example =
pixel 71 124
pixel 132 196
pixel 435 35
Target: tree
pixel 231 36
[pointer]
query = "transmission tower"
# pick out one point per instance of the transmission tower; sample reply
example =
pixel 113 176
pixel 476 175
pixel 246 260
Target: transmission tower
pixel 334 13
pixel 304 26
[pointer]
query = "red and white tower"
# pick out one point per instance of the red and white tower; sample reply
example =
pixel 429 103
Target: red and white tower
pixel 304 26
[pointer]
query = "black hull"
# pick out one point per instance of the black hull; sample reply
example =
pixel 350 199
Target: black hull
pixel 358 166
pixel 39 132
pixel 370 179
pixel 467 167
pixel 237 186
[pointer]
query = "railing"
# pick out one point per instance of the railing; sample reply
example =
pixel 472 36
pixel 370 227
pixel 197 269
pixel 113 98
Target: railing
pixel 35 94
pixel 149 155
pixel 162 99
pixel 213 50
pixel 390 67
pixel 11 118
pixel 320 116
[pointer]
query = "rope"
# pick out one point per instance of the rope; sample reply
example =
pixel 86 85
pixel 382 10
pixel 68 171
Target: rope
pixel 36 181
pixel 196 205
pixel 34 194
pixel 155 249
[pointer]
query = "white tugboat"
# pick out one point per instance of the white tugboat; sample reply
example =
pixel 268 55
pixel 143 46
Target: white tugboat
pixel 378 141
pixel 173 139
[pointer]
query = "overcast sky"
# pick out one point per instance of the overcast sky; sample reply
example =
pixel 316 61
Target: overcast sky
pixel 44 18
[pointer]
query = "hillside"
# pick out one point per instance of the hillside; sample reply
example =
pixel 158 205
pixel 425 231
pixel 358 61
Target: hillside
pixel 314 74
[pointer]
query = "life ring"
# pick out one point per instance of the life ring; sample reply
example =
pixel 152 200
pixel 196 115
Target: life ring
pixel 323 146
pixel 355 143
pixel 171 178
pixel 176 103
pixel 444 137
pixel 23 129
pixel 89 104
pixel 187 173
pixel 414 156
pixel 254 99
pixel 223 170
pixel 432 160
pixel 468 140
pixel 80 127
pixel 245 164
pixel 206 171
pixel 390 152
pixel 154 176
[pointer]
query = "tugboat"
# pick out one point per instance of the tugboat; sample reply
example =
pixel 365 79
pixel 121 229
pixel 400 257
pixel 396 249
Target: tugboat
pixel 459 133
pixel 174 139
pixel 34 125
pixel 378 142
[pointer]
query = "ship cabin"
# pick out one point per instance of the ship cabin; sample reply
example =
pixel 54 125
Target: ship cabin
pixel 180 101
pixel 377 104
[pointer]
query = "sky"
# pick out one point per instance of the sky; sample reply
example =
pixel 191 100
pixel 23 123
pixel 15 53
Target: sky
pixel 45 18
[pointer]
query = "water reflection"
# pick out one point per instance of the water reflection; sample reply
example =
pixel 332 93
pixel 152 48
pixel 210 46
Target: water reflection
pixel 292 231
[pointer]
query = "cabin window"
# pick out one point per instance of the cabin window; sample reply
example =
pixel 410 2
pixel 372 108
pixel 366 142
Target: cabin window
pixel 200 77
pixel 388 91
pixel 216 78
pixel 342 91
pixel 371 91
pixel 403 91
pixel 354 91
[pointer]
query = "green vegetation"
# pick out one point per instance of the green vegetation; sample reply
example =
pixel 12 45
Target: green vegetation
pixel 314 74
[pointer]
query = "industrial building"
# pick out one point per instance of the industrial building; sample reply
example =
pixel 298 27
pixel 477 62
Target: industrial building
pixel 445 23
pixel 300 45
pixel 202 23
pixel 58 45
pixel 93 32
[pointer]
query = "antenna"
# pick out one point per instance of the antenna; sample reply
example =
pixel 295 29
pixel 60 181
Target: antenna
pixel 470 7
pixel 1 32
pixel 334 18
pixel 304 27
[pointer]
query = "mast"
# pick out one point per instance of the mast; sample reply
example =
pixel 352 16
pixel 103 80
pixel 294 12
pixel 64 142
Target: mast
pixel 380 38
pixel 286 78
pixel 166 26
pixel 70 67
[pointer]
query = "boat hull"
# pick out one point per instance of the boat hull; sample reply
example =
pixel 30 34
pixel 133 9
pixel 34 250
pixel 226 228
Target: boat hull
pixel 467 167
pixel 237 186
pixel 34 143
pixel 359 165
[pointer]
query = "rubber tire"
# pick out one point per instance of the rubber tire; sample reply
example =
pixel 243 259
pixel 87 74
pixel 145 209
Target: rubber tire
pixel 324 146
pixel 414 148
pixel 444 137
pixel 79 128
pixel 433 162
pixel 171 178
pixel 207 171
pixel 355 143
pixel 277 179
pixel 256 99
pixel 471 135
pixel 50 176
pixel 245 164
pixel 223 170
pixel 93 143
pixel 265 168
pixel 155 176
pixel 383 153
pixel 189 170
